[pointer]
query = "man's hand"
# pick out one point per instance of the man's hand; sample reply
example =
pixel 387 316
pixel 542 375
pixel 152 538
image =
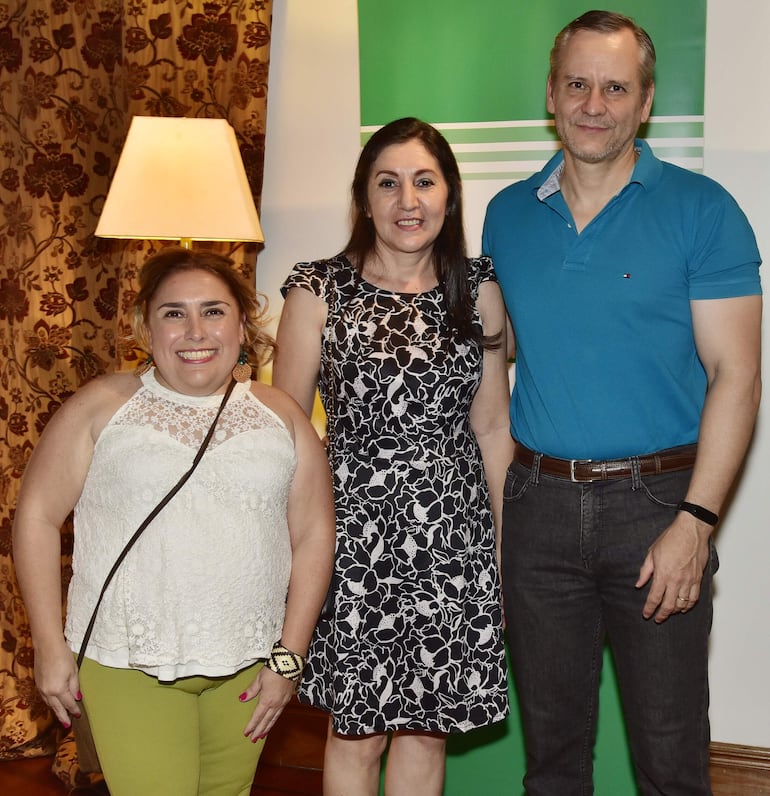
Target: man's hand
pixel 675 563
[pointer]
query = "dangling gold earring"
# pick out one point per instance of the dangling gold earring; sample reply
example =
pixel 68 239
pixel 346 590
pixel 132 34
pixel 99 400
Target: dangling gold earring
pixel 143 367
pixel 242 369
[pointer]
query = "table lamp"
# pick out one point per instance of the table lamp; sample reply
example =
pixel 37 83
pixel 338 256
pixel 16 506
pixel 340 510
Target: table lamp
pixel 180 179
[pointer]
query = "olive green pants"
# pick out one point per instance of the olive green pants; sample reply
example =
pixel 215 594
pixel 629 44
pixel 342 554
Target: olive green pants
pixel 171 739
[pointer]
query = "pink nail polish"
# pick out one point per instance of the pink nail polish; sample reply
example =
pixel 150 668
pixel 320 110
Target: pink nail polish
pixel 243 696
pixel 78 696
pixel 66 725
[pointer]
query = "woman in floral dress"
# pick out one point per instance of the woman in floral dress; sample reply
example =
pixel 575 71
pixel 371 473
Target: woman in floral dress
pixel 405 336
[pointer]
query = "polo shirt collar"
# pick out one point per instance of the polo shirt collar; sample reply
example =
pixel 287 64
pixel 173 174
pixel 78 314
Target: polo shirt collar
pixel 646 172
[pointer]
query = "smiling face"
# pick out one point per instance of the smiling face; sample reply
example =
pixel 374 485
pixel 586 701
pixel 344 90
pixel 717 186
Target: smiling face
pixel 407 199
pixel 596 95
pixel 195 332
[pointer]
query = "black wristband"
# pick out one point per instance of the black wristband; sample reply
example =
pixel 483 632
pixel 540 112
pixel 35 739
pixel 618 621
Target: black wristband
pixel 698 512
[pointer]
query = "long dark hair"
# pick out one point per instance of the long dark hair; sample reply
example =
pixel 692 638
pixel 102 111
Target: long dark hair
pixel 449 248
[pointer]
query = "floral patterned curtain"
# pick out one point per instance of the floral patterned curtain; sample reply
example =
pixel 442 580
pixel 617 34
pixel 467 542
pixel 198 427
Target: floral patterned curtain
pixel 72 74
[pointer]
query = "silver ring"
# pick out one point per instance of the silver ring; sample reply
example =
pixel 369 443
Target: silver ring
pixel 683 599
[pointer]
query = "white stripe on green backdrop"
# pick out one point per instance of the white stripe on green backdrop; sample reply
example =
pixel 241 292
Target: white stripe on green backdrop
pixel 514 150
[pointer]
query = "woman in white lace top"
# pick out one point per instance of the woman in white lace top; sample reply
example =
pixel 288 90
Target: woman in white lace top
pixel 201 636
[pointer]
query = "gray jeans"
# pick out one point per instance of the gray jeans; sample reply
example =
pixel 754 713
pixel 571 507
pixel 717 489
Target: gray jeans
pixel 571 556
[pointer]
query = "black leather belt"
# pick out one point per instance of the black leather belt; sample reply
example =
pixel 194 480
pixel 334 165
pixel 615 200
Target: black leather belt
pixel 583 470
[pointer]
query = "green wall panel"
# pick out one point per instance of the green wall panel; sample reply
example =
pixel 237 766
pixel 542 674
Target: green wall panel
pixel 455 60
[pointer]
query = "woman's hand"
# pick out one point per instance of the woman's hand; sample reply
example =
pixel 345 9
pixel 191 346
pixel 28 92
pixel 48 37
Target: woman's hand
pixel 274 692
pixel 56 677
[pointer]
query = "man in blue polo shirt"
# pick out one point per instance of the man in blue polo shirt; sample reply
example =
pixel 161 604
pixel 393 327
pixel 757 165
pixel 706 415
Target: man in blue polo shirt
pixel 633 291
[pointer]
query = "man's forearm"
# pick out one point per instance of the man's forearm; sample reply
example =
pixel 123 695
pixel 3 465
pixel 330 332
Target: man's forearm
pixel 727 423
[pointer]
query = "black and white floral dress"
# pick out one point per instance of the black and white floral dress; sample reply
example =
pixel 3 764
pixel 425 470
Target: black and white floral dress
pixel 415 639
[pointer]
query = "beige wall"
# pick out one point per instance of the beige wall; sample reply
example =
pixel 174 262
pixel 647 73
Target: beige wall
pixel 738 155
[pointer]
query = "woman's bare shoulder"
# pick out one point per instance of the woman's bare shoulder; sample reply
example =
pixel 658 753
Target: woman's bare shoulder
pixel 97 401
pixel 112 387
pixel 282 404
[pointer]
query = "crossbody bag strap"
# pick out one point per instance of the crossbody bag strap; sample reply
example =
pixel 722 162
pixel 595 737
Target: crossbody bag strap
pixel 149 518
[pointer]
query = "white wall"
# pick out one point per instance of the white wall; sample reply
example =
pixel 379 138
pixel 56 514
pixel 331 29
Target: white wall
pixel 312 136
pixel 737 153
pixel 312 146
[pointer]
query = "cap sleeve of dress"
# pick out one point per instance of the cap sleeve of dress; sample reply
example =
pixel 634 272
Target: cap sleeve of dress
pixel 486 271
pixel 480 270
pixel 312 276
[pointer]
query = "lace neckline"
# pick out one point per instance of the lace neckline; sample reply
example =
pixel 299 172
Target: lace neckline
pixel 151 383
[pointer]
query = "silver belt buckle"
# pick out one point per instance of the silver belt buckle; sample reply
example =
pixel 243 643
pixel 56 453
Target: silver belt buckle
pixel 572 464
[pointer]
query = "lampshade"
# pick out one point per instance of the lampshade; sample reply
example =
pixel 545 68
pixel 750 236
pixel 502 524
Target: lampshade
pixel 180 179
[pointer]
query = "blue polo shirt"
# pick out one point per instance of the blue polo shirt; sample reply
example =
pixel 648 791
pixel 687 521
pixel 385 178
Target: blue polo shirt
pixel 606 364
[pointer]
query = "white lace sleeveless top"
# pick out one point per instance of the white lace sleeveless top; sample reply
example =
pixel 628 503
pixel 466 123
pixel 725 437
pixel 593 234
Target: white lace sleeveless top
pixel 203 591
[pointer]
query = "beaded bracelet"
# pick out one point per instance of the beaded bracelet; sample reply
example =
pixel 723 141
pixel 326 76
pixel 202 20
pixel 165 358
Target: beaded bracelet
pixel 285 662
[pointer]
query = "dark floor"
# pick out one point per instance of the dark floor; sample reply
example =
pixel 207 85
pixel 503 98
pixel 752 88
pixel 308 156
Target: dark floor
pixel 29 778
pixel 33 777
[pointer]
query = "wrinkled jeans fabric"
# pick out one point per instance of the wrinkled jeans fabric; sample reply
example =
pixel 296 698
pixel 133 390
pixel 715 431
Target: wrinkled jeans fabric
pixel 570 558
